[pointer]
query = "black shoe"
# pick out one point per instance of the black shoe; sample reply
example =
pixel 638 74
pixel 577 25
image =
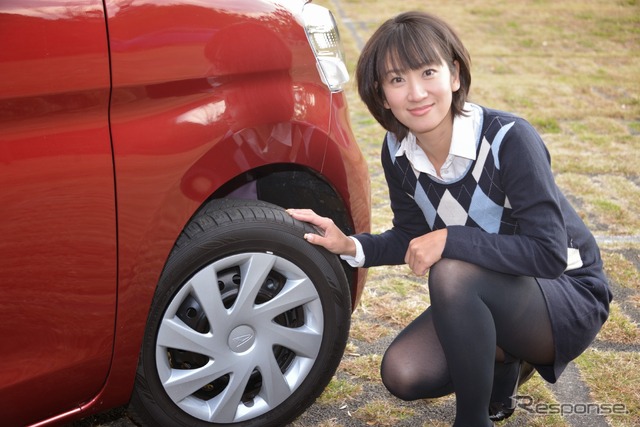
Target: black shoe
pixel 506 380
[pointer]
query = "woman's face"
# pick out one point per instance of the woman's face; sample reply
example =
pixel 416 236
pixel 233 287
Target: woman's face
pixel 421 99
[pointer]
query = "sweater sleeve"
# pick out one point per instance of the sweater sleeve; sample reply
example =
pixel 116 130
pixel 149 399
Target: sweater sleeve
pixel 390 247
pixel 539 248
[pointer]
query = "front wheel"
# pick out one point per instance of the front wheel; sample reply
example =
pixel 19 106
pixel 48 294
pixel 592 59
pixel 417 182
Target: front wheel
pixel 248 324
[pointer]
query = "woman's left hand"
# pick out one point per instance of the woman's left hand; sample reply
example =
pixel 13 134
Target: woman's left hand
pixel 426 250
pixel 330 237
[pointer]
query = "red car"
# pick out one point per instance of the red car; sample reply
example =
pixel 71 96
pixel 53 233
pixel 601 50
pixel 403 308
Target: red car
pixel 147 150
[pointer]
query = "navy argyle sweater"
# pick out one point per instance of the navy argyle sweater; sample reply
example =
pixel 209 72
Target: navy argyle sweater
pixel 506 213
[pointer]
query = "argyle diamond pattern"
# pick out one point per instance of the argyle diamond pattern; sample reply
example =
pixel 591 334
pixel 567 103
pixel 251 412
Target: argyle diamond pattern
pixel 476 200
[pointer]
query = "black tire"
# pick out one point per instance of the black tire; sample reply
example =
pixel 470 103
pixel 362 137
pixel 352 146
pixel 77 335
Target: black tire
pixel 278 319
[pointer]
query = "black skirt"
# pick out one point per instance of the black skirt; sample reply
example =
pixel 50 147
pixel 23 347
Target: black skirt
pixel 578 304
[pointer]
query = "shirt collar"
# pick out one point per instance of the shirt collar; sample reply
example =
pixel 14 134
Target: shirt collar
pixel 466 131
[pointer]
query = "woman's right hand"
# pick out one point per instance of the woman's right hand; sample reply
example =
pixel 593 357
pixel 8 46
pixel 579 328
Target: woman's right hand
pixel 330 237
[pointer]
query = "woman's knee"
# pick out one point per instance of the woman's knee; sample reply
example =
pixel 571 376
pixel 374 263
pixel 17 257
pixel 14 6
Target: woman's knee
pixel 400 380
pixel 449 277
pixel 410 377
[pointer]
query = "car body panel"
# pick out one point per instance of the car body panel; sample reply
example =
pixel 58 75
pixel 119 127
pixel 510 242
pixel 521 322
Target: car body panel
pixel 189 107
pixel 58 223
pixel 231 118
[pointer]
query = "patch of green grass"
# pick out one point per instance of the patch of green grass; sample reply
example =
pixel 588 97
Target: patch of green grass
pixel 608 208
pixel 546 125
pixel 528 43
pixel 339 391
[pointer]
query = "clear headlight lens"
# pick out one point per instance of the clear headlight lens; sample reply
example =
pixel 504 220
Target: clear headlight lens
pixel 324 38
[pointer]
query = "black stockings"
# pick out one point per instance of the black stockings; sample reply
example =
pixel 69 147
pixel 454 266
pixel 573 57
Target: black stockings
pixel 475 314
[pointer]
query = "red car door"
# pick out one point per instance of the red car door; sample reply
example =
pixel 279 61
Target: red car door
pixel 58 257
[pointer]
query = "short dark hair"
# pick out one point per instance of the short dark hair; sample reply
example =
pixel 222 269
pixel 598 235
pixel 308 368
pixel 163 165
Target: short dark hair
pixel 409 41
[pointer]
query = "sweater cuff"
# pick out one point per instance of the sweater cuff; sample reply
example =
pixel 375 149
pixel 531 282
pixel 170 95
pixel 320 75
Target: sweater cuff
pixel 456 238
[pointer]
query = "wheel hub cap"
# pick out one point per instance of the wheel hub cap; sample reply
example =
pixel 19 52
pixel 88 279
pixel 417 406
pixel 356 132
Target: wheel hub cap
pixel 241 338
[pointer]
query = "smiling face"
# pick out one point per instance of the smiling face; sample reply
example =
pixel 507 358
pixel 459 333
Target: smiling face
pixel 421 98
pixel 407 42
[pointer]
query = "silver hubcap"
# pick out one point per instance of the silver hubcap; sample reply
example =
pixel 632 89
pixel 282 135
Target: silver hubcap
pixel 239 337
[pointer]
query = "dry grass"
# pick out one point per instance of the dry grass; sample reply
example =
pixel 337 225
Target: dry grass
pixel 369 331
pixel 571 68
pixel 609 203
pixel 366 367
pixel 620 328
pixel 614 377
pixel 621 270
pixel 536 390
pixel 383 413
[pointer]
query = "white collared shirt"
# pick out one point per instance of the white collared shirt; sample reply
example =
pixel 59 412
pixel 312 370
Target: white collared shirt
pixel 462 153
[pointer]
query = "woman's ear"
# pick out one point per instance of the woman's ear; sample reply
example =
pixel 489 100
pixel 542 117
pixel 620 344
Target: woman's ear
pixel 455 76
